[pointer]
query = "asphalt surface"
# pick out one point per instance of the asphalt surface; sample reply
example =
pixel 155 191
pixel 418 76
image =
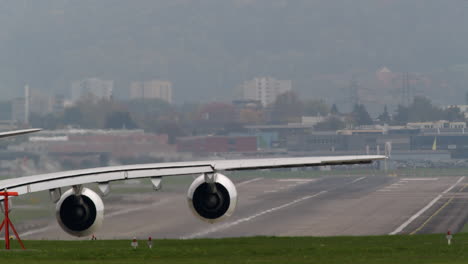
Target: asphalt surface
pixel 328 206
pixel 450 213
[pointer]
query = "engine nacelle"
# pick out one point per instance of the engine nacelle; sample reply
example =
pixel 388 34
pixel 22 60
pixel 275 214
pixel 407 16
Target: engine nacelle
pixel 80 215
pixel 212 204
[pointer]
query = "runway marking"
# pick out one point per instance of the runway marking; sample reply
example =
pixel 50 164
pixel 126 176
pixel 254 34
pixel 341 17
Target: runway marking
pixel 120 212
pixel 297 180
pixel 436 213
pixel 432 216
pixel 36 231
pixel 358 179
pixel 249 218
pixel 420 179
pixel 393 186
pixel 453 186
pixel 248 181
pixel 143 207
pixel 424 209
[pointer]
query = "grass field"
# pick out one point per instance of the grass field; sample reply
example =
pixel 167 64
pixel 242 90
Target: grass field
pixel 375 249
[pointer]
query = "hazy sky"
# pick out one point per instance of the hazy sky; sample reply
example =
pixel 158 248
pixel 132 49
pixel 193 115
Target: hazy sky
pixel 207 47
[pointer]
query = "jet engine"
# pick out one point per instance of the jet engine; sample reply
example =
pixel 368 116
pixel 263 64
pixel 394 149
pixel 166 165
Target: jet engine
pixel 80 214
pixel 213 201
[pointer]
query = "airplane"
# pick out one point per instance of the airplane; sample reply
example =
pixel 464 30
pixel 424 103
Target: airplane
pixel 211 197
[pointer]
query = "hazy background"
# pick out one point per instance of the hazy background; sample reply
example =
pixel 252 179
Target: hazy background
pixel 208 47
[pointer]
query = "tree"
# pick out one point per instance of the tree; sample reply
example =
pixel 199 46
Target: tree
pixel 49 121
pixel 453 114
pixel 360 115
pixel 334 110
pixel 422 110
pixel 286 109
pixel 72 116
pixel 385 116
pixel 217 114
pixel 119 120
pixel 401 116
pixel 316 107
pixel 332 123
pixel 149 108
pixel 250 116
pixel 172 129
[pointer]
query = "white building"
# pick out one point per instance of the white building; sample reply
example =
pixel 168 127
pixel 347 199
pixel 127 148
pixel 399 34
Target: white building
pixel 151 90
pixel 437 124
pixel 94 88
pixel 20 107
pixel 19 110
pixel 265 89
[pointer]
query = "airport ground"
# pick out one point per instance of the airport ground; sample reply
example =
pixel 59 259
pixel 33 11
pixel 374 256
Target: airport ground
pixel 355 205
pixel 286 218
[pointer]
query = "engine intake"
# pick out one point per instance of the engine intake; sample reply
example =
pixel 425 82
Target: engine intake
pixel 212 202
pixel 80 215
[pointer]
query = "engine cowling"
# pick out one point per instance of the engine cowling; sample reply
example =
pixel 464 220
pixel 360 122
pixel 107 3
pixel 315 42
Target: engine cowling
pixel 80 215
pixel 212 204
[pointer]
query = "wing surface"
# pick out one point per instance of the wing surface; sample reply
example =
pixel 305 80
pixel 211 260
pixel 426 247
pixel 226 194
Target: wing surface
pixel 18 132
pixel 49 181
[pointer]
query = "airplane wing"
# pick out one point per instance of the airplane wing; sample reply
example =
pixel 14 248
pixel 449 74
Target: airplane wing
pixel 51 181
pixel 211 197
pixel 18 132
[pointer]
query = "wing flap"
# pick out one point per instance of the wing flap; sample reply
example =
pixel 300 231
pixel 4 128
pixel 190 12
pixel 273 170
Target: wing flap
pixel 293 162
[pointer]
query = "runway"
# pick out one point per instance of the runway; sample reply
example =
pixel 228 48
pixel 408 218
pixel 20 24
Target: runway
pixel 327 206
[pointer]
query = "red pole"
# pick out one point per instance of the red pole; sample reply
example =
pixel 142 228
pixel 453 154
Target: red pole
pixel 7 223
pixel 16 234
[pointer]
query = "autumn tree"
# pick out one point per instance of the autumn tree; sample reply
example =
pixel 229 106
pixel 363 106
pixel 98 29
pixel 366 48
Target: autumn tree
pixel 286 109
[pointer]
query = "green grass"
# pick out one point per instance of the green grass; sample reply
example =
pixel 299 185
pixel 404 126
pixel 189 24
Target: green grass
pixel 464 229
pixel 376 249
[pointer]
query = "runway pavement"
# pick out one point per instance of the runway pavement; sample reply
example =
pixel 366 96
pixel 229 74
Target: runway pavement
pixel 327 206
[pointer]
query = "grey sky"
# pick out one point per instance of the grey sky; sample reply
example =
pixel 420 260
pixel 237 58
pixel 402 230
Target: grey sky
pixel 207 47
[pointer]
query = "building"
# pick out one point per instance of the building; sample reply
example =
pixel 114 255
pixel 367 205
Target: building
pixel 18 111
pixel 95 147
pixel 20 107
pixel 437 124
pixel 313 120
pixel 58 103
pixel 93 88
pixel 40 103
pixel 151 90
pixel 385 76
pixel 265 89
pixel 217 144
pixel 463 109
